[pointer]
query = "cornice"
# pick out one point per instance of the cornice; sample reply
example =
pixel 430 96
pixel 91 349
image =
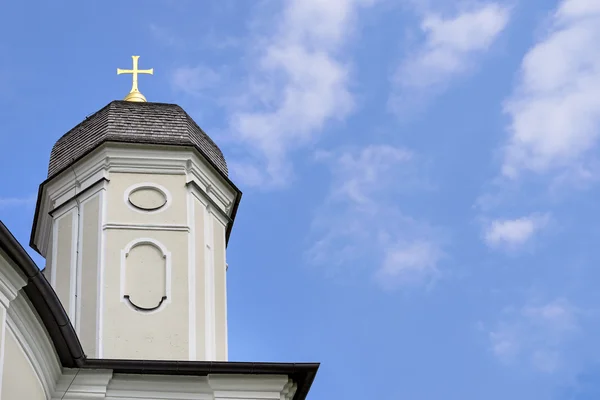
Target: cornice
pixel 209 203
pixel 78 384
pixel 10 280
pixel 289 390
pixel 247 382
pixel 159 387
pixel 112 157
pixel 147 227
pixel 33 338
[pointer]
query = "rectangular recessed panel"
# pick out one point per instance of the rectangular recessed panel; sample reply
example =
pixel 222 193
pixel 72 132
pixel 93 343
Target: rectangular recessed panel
pixel 220 291
pixel 64 254
pixel 89 275
pixel 200 281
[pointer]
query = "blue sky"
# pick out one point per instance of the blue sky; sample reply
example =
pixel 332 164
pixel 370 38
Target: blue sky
pixel 420 177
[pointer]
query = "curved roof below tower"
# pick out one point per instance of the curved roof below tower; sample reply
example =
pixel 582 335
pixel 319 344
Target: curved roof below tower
pixel 131 122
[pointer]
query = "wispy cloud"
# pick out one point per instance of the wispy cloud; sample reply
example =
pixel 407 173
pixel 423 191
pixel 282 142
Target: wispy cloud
pixel 194 80
pixel 9 202
pixel 409 263
pixel 209 39
pixel 166 37
pixel 298 82
pixel 450 48
pixel 535 334
pixel 513 233
pixel 555 108
pixel 361 223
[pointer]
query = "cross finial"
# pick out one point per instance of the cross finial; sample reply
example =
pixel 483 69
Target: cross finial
pixel 135 94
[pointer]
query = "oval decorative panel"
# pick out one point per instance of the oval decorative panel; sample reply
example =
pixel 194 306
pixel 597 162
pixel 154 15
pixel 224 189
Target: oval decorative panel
pixel 147 198
pixel 145 277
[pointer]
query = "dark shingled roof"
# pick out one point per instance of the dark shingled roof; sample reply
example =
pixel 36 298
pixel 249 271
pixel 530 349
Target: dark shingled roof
pixel 130 122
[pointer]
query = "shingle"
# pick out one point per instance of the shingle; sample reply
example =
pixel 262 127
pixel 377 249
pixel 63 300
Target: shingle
pixel 123 121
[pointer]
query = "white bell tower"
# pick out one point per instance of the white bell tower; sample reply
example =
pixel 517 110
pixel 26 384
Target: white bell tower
pixel 133 222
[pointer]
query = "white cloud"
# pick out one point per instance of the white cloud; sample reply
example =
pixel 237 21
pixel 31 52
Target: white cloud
pixel 166 37
pixel 449 48
pixel 535 334
pixel 361 223
pixel 514 232
pixel 360 176
pixel 297 84
pixel 578 8
pixel 6 202
pixel 555 108
pixel 408 263
pixel 194 80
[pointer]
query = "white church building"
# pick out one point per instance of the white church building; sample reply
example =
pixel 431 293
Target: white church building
pixel 133 222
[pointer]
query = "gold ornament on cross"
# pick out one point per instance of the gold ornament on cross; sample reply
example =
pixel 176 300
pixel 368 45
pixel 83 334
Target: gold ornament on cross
pixel 135 94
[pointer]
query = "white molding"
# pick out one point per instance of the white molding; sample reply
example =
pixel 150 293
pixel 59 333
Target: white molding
pixel 191 220
pixel 73 265
pixel 54 238
pixel 209 287
pixel 124 157
pixel 224 288
pixel 77 180
pixel 64 209
pixel 101 266
pixel 163 387
pixel 289 390
pixel 10 281
pixel 205 199
pixel 217 192
pixel 10 284
pixel 62 384
pixel 78 384
pixel 247 382
pixel 146 227
pixel 123 273
pixel 3 311
pixel 33 339
pixel 212 387
pixel 248 387
pixel 78 267
pixel 89 195
pixel 148 185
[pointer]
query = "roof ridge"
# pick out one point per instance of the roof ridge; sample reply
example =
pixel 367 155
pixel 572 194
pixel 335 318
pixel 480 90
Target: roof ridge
pixel 143 103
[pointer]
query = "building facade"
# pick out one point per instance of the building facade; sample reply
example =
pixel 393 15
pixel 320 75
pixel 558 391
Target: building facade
pixel 133 222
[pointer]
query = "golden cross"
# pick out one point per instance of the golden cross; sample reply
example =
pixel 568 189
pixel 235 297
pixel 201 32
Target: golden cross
pixel 135 94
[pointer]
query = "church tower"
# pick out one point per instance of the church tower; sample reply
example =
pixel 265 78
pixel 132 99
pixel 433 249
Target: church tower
pixel 133 222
